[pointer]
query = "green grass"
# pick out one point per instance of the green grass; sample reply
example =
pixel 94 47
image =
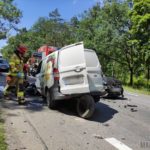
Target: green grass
pixel 3 145
pixel 135 90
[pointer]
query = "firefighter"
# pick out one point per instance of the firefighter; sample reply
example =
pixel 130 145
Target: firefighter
pixel 16 74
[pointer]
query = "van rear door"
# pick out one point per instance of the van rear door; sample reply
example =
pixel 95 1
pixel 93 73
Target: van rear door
pixel 72 70
pixel 94 71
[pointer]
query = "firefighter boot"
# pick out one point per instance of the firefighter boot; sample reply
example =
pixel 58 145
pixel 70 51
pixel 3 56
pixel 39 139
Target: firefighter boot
pixel 20 97
pixel 7 93
pixel 21 101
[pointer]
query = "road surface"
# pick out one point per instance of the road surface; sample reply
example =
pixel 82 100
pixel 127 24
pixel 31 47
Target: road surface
pixel 122 124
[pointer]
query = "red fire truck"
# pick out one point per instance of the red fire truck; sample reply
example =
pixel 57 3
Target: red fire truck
pixel 45 50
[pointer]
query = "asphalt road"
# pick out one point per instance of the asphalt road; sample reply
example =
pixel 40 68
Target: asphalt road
pixel 122 124
pixel 117 124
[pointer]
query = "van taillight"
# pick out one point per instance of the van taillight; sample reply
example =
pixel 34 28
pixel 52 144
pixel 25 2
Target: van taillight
pixel 56 74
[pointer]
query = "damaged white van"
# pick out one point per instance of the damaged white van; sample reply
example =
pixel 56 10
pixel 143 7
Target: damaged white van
pixel 72 72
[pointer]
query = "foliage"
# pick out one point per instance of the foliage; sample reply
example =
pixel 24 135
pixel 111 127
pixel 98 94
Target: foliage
pixel 137 90
pixel 117 32
pixel 140 34
pixel 104 28
pixel 9 17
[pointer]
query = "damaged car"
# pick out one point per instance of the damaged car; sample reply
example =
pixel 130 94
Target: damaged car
pixel 114 87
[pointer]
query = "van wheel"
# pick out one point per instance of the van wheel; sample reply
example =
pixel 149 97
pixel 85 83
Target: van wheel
pixel 85 106
pixel 51 103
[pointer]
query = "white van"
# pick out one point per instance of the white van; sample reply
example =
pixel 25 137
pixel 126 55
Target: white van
pixel 71 72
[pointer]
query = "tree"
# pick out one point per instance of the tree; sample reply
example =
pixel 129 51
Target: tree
pixel 103 28
pixel 9 17
pixel 55 16
pixel 53 30
pixel 117 32
pixel 140 33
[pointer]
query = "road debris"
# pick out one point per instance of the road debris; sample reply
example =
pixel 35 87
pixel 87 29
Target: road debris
pixel 133 110
pixel 84 132
pixel 98 136
pixel 106 125
pixel 123 139
pixel 125 106
pixel 129 105
pixel 24 131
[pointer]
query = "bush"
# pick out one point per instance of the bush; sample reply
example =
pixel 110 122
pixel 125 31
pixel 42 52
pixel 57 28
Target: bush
pixel 141 82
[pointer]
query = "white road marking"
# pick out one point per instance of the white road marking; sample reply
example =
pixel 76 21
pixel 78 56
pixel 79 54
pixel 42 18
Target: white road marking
pixel 132 94
pixel 119 145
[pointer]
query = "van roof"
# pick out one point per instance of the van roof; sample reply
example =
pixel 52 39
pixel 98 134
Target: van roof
pixel 79 43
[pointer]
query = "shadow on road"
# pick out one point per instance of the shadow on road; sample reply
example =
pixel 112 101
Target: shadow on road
pixel 67 107
pixel 103 112
pixel 33 104
pixel 115 98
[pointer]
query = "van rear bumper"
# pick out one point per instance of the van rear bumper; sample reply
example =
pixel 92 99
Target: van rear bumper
pixel 60 96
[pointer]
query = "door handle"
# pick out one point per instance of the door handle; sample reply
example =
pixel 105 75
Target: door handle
pixel 78 69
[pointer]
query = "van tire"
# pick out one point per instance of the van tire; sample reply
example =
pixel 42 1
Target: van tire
pixel 51 103
pixel 85 106
pixel 96 99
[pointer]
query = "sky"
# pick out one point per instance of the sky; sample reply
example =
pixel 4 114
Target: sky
pixel 33 9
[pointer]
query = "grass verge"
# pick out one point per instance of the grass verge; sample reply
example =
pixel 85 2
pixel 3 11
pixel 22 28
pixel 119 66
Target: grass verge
pixel 141 90
pixel 3 145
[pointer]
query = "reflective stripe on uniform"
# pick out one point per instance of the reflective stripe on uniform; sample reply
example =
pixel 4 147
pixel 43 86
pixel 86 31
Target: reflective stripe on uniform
pixel 20 94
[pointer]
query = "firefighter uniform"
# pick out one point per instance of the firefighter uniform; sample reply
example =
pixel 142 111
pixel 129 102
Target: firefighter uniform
pixel 16 75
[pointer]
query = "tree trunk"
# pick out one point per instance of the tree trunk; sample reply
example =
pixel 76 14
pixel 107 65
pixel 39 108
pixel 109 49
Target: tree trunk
pixel 131 76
